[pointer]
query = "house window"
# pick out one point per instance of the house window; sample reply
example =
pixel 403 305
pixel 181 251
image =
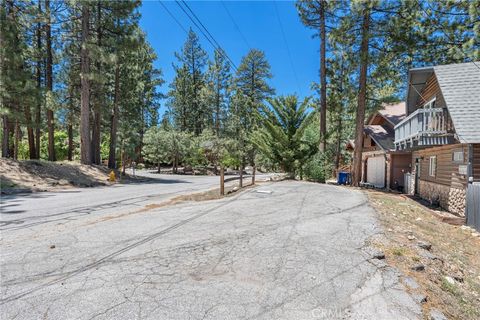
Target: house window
pixel 457 156
pixel 432 169
pixel 430 104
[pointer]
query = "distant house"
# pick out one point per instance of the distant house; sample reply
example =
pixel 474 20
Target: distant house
pixel 382 165
pixel 442 130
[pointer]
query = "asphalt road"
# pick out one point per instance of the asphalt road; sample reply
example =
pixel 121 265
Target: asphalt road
pixel 285 250
pixel 27 210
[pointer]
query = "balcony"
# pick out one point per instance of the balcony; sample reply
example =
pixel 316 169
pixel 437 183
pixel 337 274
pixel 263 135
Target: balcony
pixel 424 127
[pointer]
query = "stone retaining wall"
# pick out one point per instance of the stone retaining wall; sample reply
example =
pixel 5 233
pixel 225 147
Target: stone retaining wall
pixel 451 199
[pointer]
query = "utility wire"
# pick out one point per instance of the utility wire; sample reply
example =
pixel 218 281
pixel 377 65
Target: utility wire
pixel 236 25
pixel 172 16
pixel 288 48
pixel 201 27
pixel 448 35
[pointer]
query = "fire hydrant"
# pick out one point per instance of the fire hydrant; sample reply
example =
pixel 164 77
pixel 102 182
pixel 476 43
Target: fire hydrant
pixel 111 176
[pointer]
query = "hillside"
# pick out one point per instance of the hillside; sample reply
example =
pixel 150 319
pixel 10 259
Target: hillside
pixel 38 175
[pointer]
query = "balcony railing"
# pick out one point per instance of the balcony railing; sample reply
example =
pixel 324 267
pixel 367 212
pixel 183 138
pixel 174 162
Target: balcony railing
pixel 431 126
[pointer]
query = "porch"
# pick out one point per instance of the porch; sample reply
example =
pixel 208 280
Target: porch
pixel 424 127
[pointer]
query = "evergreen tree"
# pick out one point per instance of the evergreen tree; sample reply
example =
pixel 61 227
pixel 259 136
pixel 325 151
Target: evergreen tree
pixel 218 88
pixel 314 15
pixel 192 59
pixel 251 81
pixel 179 99
pixel 281 136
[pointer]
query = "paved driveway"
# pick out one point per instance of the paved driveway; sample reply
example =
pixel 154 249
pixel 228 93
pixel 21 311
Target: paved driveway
pixel 287 250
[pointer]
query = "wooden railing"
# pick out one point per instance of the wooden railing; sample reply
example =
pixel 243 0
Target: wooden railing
pixel 423 122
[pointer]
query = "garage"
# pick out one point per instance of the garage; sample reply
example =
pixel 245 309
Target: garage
pixel 376 171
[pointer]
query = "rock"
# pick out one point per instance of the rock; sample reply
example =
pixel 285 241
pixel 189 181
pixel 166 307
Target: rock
pixel 449 279
pixel 428 255
pixel 389 230
pixel 475 234
pixel 410 237
pixel 424 245
pixel 52 246
pixel 420 298
pixel 418 219
pixel 418 267
pixel 379 255
pixel 436 314
pixel 411 283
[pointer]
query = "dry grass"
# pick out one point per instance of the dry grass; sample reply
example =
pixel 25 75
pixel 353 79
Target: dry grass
pixel 455 253
pixel 38 175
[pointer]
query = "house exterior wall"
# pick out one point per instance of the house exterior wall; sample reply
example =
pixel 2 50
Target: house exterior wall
pixel 399 165
pixel 369 154
pixel 447 187
pixel 476 162
pixel 429 91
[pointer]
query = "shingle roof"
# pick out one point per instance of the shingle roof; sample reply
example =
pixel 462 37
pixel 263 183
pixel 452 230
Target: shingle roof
pixel 393 112
pixel 460 85
pixel 382 136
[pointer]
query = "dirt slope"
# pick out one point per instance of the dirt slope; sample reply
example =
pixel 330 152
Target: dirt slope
pixel 450 278
pixel 38 175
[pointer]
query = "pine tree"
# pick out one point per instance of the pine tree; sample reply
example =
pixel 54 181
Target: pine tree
pixel 49 82
pixel 314 15
pixel 85 147
pixel 179 99
pixel 192 59
pixel 251 81
pixel 218 87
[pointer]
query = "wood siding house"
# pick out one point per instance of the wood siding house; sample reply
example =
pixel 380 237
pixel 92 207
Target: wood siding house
pixel 382 165
pixel 442 130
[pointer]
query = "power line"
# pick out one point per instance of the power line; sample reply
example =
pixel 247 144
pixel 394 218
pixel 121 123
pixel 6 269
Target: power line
pixel 205 31
pixel 236 25
pixel 172 16
pixel 288 48
pixel 444 32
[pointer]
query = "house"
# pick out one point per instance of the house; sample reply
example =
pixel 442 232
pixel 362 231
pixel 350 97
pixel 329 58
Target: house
pixel 382 165
pixel 442 130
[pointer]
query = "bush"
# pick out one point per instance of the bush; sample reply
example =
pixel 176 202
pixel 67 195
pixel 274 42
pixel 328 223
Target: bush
pixel 317 168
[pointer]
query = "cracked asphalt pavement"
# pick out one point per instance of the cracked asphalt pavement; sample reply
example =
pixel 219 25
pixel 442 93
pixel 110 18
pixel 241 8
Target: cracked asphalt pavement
pixel 284 250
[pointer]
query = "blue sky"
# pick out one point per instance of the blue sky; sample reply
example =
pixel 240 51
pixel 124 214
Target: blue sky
pixel 257 21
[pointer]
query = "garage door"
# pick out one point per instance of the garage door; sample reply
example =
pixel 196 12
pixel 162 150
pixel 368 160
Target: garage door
pixel 376 171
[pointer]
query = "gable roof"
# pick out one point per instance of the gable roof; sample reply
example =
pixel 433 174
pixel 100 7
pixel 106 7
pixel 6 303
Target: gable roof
pixel 460 87
pixel 393 113
pixel 383 137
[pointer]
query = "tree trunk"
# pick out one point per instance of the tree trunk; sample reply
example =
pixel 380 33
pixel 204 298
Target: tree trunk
pixel 70 142
pixel 96 130
pixel 114 121
pixel 123 158
pixel 240 183
pixel 17 140
pixel 323 81
pixel 6 137
pixel 217 113
pixel 31 138
pixel 85 150
pixel 49 76
pixel 362 97
pixel 38 111
pixel 339 120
